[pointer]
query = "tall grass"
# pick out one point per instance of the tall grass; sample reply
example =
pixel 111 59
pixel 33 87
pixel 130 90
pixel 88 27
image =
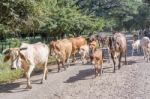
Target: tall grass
pixel 6 74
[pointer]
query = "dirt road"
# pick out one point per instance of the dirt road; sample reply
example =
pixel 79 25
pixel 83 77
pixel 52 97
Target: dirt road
pixel 132 81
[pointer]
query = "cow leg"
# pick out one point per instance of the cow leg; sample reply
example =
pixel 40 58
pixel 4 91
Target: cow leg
pixel 125 57
pixel 101 70
pixel 132 51
pixel 68 63
pixel 138 50
pixel 95 71
pixel 74 59
pixel 31 67
pixel 99 43
pixel 109 56
pixel 119 59
pixel 83 59
pixel 147 57
pixel 58 63
pixel 113 62
pixel 144 53
pixel 63 65
pixel 45 72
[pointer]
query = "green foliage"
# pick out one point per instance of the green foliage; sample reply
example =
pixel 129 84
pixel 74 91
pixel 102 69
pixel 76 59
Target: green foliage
pixel 55 17
pixel 118 14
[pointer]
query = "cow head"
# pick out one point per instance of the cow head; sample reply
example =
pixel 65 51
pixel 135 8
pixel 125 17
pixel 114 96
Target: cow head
pixel 114 45
pixel 15 56
pixel 82 50
pixel 92 47
pixel 52 48
pixel 55 49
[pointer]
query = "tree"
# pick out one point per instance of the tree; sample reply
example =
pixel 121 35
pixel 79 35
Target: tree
pixel 118 11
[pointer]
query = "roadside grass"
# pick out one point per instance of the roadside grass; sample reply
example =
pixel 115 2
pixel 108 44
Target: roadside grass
pixel 6 74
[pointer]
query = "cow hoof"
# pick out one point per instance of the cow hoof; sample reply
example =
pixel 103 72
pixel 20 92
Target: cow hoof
pixel 42 81
pixel 46 78
pixel 58 70
pixel 29 87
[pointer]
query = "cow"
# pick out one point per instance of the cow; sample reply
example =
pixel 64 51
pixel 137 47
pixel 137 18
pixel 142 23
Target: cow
pixel 117 46
pixel 92 46
pixel 29 56
pixel 84 52
pixel 97 61
pixel 96 58
pixel 144 45
pixel 92 37
pixel 135 37
pixel 77 42
pixel 102 39
pixel 136 46
pixel 62 50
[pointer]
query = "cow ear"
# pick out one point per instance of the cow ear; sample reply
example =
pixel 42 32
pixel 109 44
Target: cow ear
pixel 6 57
pixel 22 56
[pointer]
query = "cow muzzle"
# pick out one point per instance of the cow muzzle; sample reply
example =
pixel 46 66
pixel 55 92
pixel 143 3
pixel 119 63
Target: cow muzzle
pixel 12 68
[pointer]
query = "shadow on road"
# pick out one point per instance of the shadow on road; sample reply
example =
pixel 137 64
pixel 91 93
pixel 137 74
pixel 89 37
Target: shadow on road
pixel 7 88
pixel 82 75
pixel 15 87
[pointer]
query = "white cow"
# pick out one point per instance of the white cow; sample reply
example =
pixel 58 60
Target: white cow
pixel 136 46
pixel 144 44
pixel 84 52
pixel 29 56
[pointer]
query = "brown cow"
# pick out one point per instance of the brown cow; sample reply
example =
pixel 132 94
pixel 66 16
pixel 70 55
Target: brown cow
pixel 61 49
pixel 76 44
pixel 117 46
pixel 92 46
pixel 97 61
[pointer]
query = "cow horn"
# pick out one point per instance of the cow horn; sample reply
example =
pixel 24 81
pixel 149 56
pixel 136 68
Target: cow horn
pixel 23 48
pixel 6 51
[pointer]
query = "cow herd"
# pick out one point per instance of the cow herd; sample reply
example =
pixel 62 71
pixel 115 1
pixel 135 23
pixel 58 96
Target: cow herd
pixel 30 56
